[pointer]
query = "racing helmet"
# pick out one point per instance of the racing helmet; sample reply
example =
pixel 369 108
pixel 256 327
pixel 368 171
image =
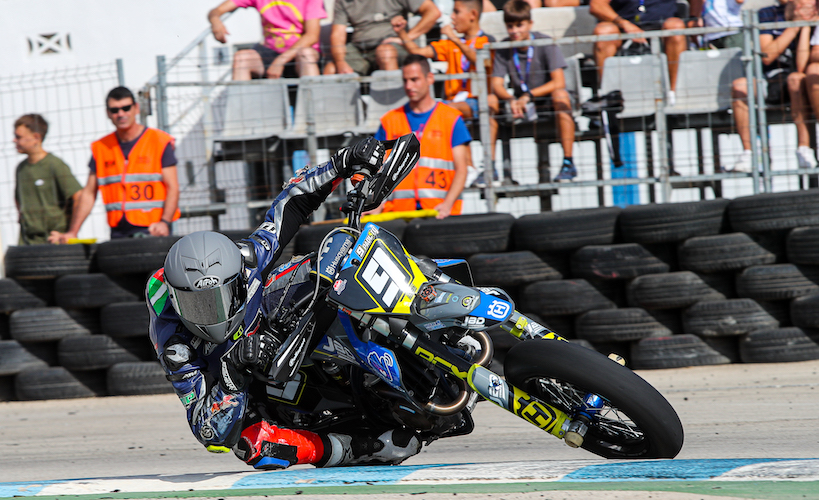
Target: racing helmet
pixel 203 272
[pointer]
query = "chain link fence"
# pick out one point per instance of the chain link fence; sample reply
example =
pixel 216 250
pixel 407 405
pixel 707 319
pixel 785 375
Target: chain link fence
pixel 72 102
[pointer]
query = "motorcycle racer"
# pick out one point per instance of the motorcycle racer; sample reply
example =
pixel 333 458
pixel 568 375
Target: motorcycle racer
pixel 207 317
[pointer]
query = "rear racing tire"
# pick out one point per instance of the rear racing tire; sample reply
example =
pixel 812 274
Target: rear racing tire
pixel 636 421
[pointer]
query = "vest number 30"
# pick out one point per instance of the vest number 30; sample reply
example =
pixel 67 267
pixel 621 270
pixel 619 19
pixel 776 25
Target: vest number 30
pixel 146 193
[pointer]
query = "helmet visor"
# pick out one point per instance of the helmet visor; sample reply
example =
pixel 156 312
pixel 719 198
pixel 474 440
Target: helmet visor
pixel 213 305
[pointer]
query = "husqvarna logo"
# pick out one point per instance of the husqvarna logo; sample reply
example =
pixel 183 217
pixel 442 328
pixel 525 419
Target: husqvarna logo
pixel 498 309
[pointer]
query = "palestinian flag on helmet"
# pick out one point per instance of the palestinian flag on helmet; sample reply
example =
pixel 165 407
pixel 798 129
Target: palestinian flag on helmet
pixel 157 291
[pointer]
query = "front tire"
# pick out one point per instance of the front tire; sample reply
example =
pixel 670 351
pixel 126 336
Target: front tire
pixel 636 421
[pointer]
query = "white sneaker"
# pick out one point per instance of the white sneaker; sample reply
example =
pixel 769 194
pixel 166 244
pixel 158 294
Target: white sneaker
pixel 472 173
pixel 806 157
pixel 671 98
pixel 743 163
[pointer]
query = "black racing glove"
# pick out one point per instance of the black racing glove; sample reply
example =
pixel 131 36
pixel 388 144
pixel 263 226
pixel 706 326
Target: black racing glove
pixel 254 352
pixel 248 355
pixel 367 153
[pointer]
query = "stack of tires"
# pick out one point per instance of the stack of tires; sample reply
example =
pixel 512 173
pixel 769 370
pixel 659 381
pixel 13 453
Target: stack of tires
pixel 665 286
pixel 671 285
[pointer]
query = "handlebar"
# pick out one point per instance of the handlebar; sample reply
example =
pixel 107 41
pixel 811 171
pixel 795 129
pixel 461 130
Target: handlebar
pixel 370 190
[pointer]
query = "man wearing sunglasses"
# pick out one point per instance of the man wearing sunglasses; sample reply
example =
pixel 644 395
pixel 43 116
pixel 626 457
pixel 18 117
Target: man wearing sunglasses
pixel 135 169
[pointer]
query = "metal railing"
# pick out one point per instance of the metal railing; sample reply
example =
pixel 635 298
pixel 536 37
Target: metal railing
pixel 752 57
pixel 663 179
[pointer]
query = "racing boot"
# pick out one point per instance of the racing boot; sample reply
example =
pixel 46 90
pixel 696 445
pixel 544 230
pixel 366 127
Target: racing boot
pixel 391 447
pixel 267 447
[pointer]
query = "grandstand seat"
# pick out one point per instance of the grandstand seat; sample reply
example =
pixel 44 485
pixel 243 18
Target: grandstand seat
pixel 336 102
pixel 704 81
pixel 255 110
pixel 641 79
pixel 557 22
pixel 386 93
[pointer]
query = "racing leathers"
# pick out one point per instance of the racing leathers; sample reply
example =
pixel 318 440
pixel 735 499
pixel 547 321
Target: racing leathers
pixel 215 394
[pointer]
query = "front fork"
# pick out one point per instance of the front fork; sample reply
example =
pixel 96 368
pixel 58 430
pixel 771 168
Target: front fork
pixel 523 328
pixel 482 380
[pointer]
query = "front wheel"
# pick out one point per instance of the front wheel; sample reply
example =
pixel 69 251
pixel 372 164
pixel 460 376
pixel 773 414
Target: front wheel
pixel 635 420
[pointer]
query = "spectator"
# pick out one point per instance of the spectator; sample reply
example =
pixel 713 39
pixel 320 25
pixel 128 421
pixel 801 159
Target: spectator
pixel 536 77
pixel 291 34
pixel 374 44
pixel 46 189
pixel 459 53
pixel 785 57
pixel 135 168
pixel 496 5
pixel 439 178
pixel 712 13
pixel 637 16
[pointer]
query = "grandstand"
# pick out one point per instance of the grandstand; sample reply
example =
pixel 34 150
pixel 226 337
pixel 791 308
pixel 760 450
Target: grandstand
pixel 237 142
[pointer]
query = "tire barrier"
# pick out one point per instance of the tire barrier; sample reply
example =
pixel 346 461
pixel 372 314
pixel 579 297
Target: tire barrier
pixel 674 352
pixel 672 222
pixel 669 291
pixel 682 284
pixel 459 236
pixel 511 269
pixel 610 262
pixel 723 252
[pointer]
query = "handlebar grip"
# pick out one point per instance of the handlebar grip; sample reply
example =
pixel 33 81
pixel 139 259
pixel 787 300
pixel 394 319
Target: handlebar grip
pixel 356 178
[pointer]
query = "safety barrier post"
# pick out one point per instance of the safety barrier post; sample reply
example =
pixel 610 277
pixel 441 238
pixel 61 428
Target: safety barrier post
pixel 748 59
pixel 479 84
pixel 161 94
pixel 762 119
pixel 120 73
pixel 661 126
pixel 310 115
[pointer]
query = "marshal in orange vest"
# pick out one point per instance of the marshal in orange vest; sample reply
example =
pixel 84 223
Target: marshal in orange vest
pixel 132 188
pixel 428 183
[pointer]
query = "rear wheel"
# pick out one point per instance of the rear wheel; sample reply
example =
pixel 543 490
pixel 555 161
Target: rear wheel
pixel 635 421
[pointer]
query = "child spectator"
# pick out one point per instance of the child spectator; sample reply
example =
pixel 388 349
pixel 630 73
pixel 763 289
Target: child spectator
pixel 46 189
pixel 725 13
pixel 460 56
pixel 536 77
pixel 291 35
pixel 495 5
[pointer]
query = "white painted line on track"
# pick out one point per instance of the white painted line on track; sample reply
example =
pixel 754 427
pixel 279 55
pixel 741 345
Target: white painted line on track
pixel 508 472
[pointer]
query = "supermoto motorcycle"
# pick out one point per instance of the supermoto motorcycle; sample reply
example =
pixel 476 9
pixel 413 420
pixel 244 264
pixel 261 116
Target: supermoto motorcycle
pixel 408 347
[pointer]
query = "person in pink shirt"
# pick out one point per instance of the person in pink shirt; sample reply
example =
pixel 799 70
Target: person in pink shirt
pixel 291 34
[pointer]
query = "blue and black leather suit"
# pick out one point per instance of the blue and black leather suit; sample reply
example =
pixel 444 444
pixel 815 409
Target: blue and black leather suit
pixel 216 404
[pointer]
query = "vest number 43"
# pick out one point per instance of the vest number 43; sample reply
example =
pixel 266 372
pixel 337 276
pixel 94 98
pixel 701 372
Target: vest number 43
pixel 440 182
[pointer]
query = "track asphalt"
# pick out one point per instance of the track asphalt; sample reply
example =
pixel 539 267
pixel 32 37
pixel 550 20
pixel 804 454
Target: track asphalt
pixel 775 479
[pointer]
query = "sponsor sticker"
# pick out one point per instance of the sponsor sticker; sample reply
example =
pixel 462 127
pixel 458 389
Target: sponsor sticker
pixel 498 309
pixel 188 399
pixel 206 282
pixel 435 325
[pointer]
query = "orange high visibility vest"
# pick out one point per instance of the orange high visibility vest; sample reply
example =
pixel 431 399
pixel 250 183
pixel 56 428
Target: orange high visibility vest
pixel 430 180
pixel 132 188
